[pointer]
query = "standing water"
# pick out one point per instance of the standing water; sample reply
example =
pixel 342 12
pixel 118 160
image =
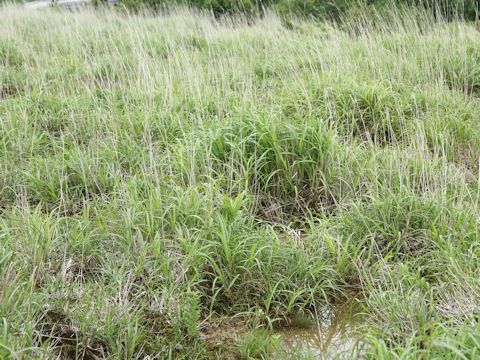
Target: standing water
pixel 332 336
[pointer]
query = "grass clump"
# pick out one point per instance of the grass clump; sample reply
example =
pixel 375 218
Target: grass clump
pixel 178 185
pixel 292 165
pixel 257 345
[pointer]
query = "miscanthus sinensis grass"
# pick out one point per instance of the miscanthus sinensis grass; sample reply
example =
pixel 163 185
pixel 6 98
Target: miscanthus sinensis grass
pixel 162 174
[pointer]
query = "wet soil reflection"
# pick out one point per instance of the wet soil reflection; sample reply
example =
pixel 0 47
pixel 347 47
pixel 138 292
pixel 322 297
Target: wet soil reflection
pixel 332 336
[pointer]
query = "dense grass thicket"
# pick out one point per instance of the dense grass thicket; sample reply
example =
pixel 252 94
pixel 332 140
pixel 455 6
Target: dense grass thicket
pixel 336 10
pixel 163 177
pixel 322 9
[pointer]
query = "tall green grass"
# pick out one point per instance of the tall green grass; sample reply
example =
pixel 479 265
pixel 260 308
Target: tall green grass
pixel 164 177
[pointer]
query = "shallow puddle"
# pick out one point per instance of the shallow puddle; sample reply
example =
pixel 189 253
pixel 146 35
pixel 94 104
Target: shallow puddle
pixel 331 336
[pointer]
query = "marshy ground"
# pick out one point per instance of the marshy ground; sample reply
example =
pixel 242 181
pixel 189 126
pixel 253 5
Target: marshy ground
pixel 166 179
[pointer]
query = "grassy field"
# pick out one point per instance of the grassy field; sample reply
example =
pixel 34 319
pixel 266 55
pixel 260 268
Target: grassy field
pixel 162 178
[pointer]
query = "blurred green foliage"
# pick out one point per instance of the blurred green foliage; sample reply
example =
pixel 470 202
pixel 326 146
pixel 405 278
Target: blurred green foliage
pixel 330 9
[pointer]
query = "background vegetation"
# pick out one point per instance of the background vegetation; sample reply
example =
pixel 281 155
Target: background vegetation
pixel 322 9
pixel 164 177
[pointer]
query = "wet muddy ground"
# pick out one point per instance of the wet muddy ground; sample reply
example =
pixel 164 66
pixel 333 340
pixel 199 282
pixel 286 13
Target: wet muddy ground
pixel 329 334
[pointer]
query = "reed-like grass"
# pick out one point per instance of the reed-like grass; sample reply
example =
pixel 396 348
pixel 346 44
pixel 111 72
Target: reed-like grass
pixel 162 175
